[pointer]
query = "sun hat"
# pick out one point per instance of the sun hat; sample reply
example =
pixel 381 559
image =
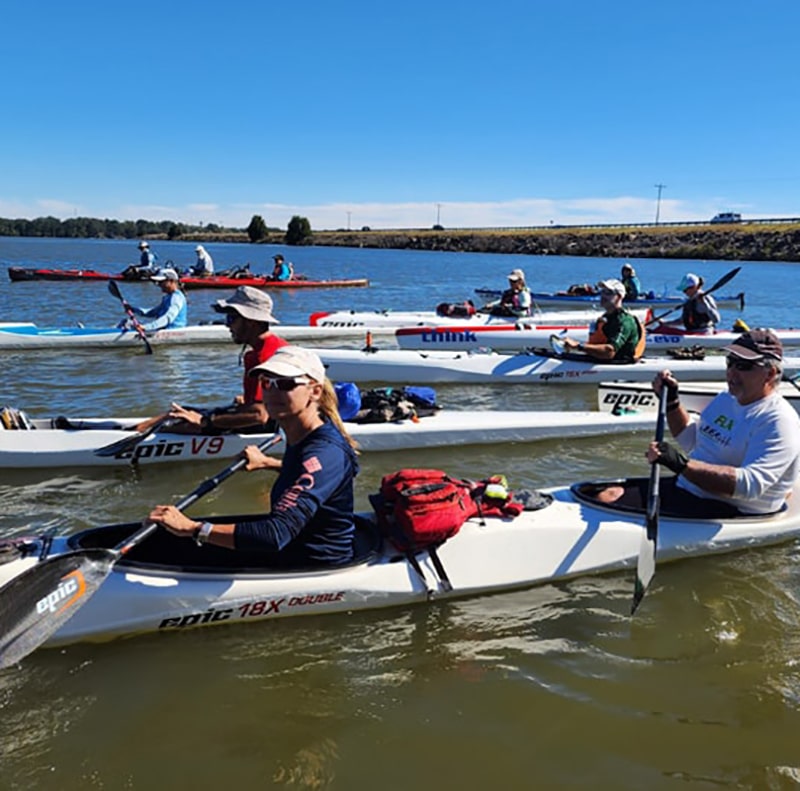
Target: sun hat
pixel 248 302
pixel 756 344
pixel 626 267
pixel 199 249
pixel 612 284
pixel 690 280
pixel 166 274
pixel 292 361
pixel 143 244
pixel 516 274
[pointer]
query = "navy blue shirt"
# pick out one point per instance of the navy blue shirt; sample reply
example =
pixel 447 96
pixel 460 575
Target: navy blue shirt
pixel 311 521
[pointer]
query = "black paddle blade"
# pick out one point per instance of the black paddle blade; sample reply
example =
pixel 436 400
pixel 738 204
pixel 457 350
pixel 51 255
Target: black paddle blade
pixel 129 443
pixel 114 289
pixel 36 604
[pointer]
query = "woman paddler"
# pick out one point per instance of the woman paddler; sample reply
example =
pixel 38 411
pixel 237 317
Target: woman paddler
pixel 311 522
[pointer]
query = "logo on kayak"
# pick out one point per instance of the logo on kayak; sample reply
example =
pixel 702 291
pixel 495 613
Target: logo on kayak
pixel 449 336
pixel 69 590
pixel 620 400
pixel 209 446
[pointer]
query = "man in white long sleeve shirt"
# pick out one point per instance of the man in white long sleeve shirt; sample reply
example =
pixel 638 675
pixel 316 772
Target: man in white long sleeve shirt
pixel 172 310
pixel 744 449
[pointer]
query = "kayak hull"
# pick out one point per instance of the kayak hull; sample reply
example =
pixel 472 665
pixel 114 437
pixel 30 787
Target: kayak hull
pixel 46 448
pixel 171 584
pixel 405 367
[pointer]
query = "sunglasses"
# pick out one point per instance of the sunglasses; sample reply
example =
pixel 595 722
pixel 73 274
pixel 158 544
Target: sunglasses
pixel 743 365
pixel 284 383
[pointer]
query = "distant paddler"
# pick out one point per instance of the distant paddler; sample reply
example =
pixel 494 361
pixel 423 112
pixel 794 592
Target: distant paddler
pixel 515 301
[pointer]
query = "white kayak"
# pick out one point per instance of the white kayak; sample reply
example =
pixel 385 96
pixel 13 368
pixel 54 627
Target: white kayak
pixel 530 335
pixel 47 447
pixel 404 367
pixel 628 397
pixel 170 584
pixel 26 335
pixel 427 318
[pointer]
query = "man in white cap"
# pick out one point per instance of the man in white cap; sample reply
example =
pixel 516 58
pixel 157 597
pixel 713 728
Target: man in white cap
pixel 617 334
pixel 248 314
pixel 204 266
pixel 700 312
pixel 146 266
pixel 515 300
pixel 172 310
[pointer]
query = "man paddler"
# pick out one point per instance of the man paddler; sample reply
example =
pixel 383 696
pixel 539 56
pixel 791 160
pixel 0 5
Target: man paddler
pixel 617 335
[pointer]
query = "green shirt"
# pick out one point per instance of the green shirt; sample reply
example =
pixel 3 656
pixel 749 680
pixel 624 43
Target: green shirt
pixel 622 332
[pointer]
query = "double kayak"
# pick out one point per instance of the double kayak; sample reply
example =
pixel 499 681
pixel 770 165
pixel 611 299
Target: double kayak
pixel 62 442
pixel 170 584
pixel 375 319
pixel 17 274
pixel 563 299
pixel 630 397
pixel 28 335
pixel 534 367
pixel 460 337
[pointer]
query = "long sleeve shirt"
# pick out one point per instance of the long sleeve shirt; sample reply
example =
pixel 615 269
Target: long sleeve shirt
pixel 170 312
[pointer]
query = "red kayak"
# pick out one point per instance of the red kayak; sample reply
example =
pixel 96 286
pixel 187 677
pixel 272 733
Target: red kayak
pixel 18 273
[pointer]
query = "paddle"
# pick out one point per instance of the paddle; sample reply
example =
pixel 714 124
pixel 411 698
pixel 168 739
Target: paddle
pixel 129 443
pixel 646 567
pixel 114 289
pixel 719 284
pixel 34 605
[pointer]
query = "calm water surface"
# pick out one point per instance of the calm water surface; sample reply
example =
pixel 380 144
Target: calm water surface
pixel 553 687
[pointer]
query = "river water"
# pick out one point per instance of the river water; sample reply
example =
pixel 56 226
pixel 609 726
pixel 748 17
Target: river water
pixel 553 687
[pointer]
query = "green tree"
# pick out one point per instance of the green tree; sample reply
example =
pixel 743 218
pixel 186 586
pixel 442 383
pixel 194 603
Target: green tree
pixel 299 230
pixel 176 230
pixel 257 230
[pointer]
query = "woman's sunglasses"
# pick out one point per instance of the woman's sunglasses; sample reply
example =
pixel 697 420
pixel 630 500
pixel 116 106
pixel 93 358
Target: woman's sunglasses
pixel 742 365
pixel 284 383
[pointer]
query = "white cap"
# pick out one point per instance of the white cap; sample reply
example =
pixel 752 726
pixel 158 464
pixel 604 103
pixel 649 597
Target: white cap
pixel 166 274
pixel 612 284
pixel 249 302
pixel 690 280
pixel 516 274
pixel 199 249
pixel 143 244
pixel 292 361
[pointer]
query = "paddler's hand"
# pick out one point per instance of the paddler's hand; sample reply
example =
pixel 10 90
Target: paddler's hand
pixel 188 415
pixel 175 521
pixel 256 460
pixel 668 456
pixel 666 379
pixel 571 345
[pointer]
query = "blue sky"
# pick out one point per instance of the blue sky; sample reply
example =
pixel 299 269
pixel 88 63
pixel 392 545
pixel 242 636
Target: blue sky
pixel 504 113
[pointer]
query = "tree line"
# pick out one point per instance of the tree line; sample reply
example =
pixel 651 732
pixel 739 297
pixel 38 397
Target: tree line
pixel 298 231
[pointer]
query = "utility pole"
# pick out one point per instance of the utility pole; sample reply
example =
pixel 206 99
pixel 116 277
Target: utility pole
pixel 348 220
pixel 438 212
pixel 659 187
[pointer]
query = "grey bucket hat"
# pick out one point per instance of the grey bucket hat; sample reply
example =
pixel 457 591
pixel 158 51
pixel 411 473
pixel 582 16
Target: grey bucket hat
pixel 249 302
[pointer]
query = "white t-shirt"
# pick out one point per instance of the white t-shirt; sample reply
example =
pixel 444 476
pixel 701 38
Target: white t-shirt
pixel 761 440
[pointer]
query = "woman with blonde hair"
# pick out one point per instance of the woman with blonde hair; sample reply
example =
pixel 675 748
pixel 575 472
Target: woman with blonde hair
pixel 311 522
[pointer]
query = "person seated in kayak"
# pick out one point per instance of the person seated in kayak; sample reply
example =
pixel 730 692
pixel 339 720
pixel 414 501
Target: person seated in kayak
pixel 312 521
pixel 515 300
pixel 281 270
pixel 742 454
pixel 617 335
pixel 204 266
pixel 146 266
pixel 248 314
pixel 171 311
pixel 700 312
pixel 633 288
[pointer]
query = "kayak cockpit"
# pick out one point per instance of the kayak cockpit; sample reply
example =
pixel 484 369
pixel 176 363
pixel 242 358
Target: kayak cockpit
pixel 166 552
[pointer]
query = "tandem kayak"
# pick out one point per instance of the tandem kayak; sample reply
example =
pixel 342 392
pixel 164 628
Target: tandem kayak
pixel 17 273
pixel 535 367
pixel 27 335
pixel 375 319
pixel 170 584
pixel 459 337
pixel 562 299
pixel 62 442
pixel 629 397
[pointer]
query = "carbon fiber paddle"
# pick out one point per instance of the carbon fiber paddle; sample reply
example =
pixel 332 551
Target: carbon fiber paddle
pixel 114 289
pixel 34 605
pixel 726 278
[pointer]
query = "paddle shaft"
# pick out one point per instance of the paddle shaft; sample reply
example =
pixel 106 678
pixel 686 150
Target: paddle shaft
pixel 646 565
pixel 129 443
pixel 726 278
pixel 115 290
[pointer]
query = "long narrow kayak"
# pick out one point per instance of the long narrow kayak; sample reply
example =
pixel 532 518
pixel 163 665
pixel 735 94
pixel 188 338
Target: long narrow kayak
pixel 544 299
pixel 465 338
pixel 429 318
pixel 27 335
pixel 44 446
pixel 629 397
pixel 404 367
pixel 170 584
pixel 17 273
